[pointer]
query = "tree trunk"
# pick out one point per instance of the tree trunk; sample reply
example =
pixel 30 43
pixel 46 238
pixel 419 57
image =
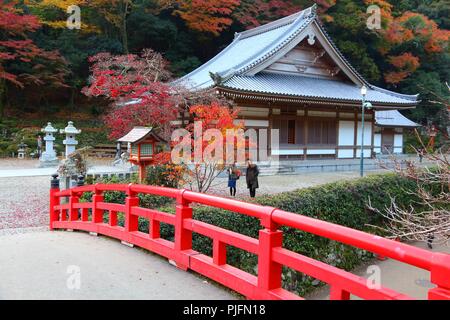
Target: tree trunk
pixel 2 97
pixel 124 26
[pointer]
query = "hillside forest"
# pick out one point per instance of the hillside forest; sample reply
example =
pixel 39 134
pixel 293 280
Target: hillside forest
pixel 44 65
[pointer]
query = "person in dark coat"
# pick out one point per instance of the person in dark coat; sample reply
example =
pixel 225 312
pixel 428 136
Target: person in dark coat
pixel 233 176
pixel 251 177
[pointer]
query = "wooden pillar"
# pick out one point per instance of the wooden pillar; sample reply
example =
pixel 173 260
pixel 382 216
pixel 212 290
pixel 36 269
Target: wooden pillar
pixel 337 134
pixel 372 148
pixel 269 133
pixel 142 172
pixel 305 149
pixel 355 135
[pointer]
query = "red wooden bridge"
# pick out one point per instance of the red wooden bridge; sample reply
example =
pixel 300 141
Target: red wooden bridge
pixel 74 214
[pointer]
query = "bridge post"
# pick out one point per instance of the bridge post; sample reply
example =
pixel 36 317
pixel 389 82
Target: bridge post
pixel 183 237
pixel 440 276
pixel 97 214
pixel 269 272
pixel 73 212
pixel 54 201
pixel 131 221
pixel 337 293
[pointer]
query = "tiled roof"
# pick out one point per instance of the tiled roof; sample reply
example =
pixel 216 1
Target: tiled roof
pixel 308 87
pixel 237 63
pixel 393 118
pixel 136 134
pixel 248 48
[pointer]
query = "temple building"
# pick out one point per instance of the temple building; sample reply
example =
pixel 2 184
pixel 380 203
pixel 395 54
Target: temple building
pixel 289 75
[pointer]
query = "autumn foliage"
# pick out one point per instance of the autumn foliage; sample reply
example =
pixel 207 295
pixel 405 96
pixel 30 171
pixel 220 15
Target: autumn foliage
pixel 206 15
pixel 406 63
pixel 133 83
pixel 409 28
pixel 254 13
pixel 201 165
pixel 16 46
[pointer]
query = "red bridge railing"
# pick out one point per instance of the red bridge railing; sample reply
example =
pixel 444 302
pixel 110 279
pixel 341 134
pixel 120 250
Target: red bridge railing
pixel 268 247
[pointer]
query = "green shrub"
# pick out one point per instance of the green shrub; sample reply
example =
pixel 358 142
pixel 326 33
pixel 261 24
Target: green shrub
pixel 343 203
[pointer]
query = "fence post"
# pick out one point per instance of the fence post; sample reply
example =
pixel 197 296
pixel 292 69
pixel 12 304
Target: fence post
pixel 75 198
pixel 269 272
pixel 183 237
pixel 440 276
pixel 54 200
pixel 131 220
pixel 73 212
pixel 337 293
pixel 97 214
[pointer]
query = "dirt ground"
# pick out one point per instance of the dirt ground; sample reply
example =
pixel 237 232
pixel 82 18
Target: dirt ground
pixel 14 164
pixel 24 200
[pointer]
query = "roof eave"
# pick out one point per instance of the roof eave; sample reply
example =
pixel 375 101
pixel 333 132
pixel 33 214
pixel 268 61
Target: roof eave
pixel 397 126
pixel 316 100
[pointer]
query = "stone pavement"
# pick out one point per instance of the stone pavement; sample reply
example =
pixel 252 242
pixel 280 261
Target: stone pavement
pixel 45 265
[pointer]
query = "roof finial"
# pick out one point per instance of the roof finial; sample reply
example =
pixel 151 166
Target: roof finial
pixel 216 78
pixel 313 10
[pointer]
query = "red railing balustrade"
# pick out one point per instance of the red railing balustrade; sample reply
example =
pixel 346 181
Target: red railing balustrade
pixel 73 214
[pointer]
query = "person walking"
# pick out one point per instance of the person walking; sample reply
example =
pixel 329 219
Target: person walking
pixel 39 146
pixel 251 177
pixel 233 176
pixel 420 153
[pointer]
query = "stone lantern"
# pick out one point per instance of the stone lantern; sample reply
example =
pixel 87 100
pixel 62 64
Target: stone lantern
pixel 22 150
pixel 48 157
pixel 70 140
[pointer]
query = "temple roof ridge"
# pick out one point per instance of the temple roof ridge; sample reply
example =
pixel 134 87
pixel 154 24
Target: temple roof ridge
pixel 252 51
pixel 311 11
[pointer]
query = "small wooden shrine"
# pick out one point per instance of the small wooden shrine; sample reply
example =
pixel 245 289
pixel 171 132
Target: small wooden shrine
pixel 143 143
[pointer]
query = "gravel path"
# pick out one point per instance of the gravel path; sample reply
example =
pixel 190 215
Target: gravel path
pixel 24 202
pixel 282 183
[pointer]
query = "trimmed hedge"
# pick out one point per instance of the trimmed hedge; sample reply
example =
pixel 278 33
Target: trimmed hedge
pixel 344 203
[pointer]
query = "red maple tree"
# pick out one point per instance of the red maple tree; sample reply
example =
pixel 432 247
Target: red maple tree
pixel 16 46
pixel 133 83
pixel 203 166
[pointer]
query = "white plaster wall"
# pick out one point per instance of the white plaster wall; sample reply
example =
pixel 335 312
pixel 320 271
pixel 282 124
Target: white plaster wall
pixel 367 139
pixel 398 143
pixel 251 111
pixel 377 143
pixel 367 134
pixel 347 153
pixel 253 123
pixel 346 137
pixel 321 151
pixel 346 133
pixel 366 153
pixel 285 152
